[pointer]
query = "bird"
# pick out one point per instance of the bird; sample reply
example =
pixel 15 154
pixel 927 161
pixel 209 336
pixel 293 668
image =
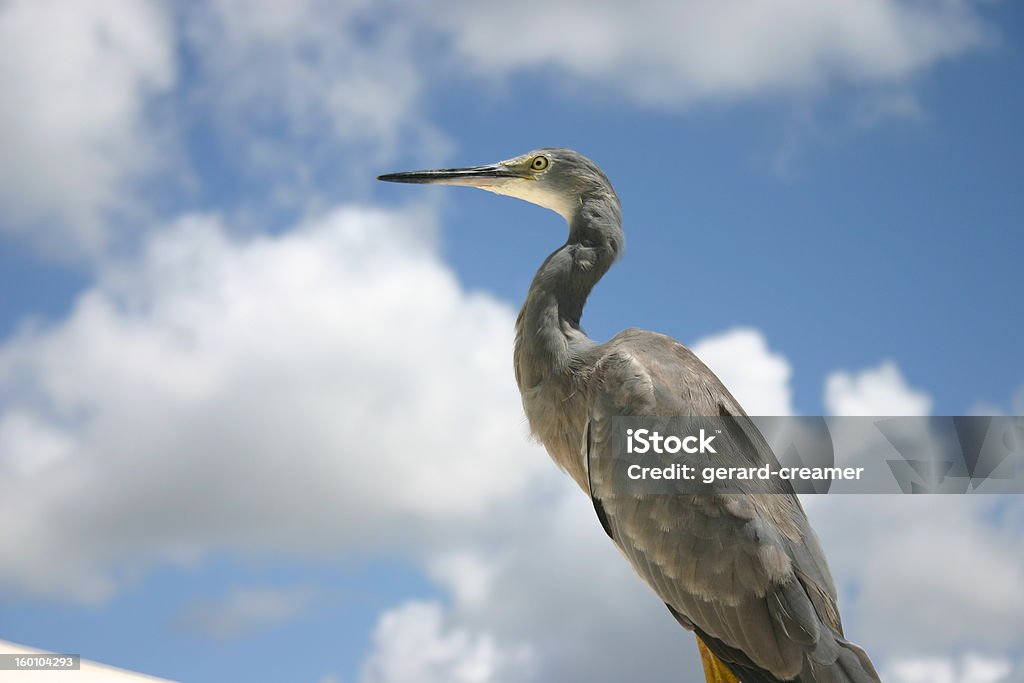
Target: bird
pixel 744 571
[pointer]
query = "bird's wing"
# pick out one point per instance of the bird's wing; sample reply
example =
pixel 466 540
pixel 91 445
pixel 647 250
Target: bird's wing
pixel 746 572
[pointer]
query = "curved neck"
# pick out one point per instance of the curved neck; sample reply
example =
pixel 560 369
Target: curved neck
pixel 548 329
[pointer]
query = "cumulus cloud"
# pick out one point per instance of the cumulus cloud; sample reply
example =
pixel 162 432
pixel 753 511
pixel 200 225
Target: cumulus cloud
pixel 246 610
pixel 311 78
pixel 324 390
pixel 74 136
pixel 916 574
pixel 927 574
pixel 413 644
pixel 875 391
pixel 285 87
pixel 1013 406
pixel 306 72
pixel 333 385
pixel 757 376
pixel 334 388
pixel 554 582
pixel 664 53
pixel 970 669
pixel 288 89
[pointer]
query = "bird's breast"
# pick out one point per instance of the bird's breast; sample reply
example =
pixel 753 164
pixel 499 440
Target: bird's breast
pixel 557 411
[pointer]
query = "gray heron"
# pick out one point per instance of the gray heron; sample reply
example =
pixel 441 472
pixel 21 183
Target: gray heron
pixel 744 571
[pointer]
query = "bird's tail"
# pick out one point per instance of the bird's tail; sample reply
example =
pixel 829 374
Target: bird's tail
pixel 715 670
pixel 852 665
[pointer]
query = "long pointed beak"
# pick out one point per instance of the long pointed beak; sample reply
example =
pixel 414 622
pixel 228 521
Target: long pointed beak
pixel 474 176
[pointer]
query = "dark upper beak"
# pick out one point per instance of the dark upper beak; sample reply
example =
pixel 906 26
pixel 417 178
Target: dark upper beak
pixel 474 176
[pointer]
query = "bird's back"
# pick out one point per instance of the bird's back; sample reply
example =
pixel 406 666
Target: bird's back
pixel 745 571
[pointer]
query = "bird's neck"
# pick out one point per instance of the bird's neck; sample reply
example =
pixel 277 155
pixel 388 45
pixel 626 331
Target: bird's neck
pixel 548 334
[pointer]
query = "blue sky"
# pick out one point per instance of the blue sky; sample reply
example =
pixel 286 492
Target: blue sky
pixel 257 414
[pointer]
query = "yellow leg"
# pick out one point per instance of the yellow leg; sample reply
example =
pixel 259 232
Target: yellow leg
pixel 714 670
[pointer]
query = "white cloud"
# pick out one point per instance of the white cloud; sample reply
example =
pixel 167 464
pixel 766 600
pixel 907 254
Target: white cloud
pixel 290 91
pixel 331 386
pixel 412 644
pixel 470 577
pixel 74 137
pixel 294 84
pixel 555 583
pixel 970 669
pixel 30 445
pixel 1015 405
pixel 757 376
pixel 928 573
pixel 246 610
pixel 677 53
pixel 286 88
pixel 875 391
pixel 223 393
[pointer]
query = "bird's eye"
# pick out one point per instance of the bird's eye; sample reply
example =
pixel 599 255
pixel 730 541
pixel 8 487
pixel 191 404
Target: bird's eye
pixel 539 163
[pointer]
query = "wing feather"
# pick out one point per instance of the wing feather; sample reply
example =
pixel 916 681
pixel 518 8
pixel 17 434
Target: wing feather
pixel 743 570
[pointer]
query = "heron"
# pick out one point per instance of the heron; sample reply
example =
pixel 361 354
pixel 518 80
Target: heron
pixel 744 571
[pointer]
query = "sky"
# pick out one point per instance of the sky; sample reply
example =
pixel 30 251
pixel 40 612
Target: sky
pixel 257 412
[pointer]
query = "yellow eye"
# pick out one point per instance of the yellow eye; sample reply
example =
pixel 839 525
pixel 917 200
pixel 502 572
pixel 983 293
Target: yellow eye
pixel 539 163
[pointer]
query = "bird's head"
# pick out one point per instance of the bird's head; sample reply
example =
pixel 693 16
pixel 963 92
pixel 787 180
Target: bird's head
pixel 556 178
